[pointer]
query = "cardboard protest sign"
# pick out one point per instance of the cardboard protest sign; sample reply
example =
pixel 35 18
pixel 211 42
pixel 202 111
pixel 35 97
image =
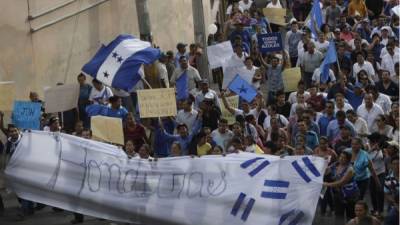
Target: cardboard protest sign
pixel 7 95
pixel 270 42
pixel 235 66
pixel 157 102
pixel 218 54
pixel 61 98
pixel 26 115
pixel 233 101
pixel 290 78
pixel 107 129
pixel 275 16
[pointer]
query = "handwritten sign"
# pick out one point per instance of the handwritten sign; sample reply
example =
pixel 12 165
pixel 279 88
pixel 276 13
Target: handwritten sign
pixel 233 101
pixel 275 16
pixel 26 115
pixel 218 54
pixel 61 98
pixel 107 129
pixel 270 42
pixel 157 102
pixel 7 95
pixel 291 77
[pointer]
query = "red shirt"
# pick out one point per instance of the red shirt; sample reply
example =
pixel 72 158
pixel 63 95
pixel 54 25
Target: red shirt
pixel 136 134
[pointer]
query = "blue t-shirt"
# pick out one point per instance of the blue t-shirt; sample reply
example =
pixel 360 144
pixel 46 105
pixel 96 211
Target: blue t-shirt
pixel 360 166
pixel 323 124
pixel 118 113
pixel 353 99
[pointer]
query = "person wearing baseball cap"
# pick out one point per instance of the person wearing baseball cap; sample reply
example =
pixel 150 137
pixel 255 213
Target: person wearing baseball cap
pixel 181 47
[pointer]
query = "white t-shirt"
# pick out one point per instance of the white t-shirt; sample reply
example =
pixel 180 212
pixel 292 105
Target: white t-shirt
pixel 345 107
pixel 104 94
pixel 188 118
pixel 222 139
pixel 317 76
pixel 241 112
pixel 388 63
pixel 276 6
pixel 371 115
pixel 245 6
pixel 282 120
pixel 367 66
pixel 293 97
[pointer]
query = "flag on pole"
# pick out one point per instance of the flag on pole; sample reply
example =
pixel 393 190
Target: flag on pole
pixel 316 19
pixel 242 88
pixel 330 58
pixel 117 64
pixel 182 88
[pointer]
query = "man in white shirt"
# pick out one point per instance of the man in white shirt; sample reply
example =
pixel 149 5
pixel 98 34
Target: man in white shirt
pixel 222 135
pixel 162 71
pixel 360 125
pixel 187 115
pixel 316 78
pixel 193 75
pixel 361 64
pixel 381 99
pixel 100 93
pixel 301 90
pixel 201 95
pixel 390 59
pixel 369 110
pixel 245 4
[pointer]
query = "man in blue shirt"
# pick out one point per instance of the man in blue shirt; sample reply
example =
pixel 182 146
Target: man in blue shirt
pixel 355 97
pixel 84 93
pixel 116 109
pixel 184 137
pixel 328 116
pixel 311 137
pixel 333 129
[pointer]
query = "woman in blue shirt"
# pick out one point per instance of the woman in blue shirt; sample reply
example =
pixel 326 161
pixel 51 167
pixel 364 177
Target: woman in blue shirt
pixel 362 166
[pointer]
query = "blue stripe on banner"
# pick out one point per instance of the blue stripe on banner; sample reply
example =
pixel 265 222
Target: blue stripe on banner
pixel 273 195
pixel 311 166
pixel 249 162
pixel 298 217
pixel 285 216
pixel 247 210
pixel 238 203
pixel 259 168
pixel 301 172
pixel 276 183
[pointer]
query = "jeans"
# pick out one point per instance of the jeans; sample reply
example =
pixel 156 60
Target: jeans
pixel 271 97
pixel 307 78
pixel 392 218
pixel 377 194
pixel 293 61
pixel 343 206
pixel 26 206
pixel 363 186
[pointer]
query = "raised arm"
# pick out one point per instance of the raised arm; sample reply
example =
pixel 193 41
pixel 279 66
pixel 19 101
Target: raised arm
pixel 226 104
pixel 345 179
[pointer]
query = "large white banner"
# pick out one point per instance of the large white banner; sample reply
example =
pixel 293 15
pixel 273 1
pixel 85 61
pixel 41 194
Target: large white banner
pixel 96 179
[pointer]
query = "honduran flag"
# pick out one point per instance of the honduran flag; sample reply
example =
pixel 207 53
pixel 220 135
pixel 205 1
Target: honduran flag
pixel 117 64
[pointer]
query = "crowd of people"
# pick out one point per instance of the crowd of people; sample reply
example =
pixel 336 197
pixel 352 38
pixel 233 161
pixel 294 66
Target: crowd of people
pixel 351 120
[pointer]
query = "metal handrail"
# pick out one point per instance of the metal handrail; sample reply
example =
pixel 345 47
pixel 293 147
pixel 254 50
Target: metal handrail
pixel 32 17
pixel 34 29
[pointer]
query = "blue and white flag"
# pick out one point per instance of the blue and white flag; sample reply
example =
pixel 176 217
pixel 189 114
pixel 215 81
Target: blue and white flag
pixel 330 58
pixel 242 88
pixel 316 19
pixel 182 88
pixel 117 64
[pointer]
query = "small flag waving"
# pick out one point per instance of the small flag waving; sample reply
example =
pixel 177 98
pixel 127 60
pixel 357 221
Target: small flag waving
pixel 182 89
pixel 315 18
pixel 118 63
pixel 330 58
pixel 242 88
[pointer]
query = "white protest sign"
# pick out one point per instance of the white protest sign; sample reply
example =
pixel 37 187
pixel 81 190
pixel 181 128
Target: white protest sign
pixel 218 54
pixel 233 67
pixel 97 179
pixel 61 98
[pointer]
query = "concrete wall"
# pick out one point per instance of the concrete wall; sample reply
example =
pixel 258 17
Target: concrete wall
pixel 58 52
